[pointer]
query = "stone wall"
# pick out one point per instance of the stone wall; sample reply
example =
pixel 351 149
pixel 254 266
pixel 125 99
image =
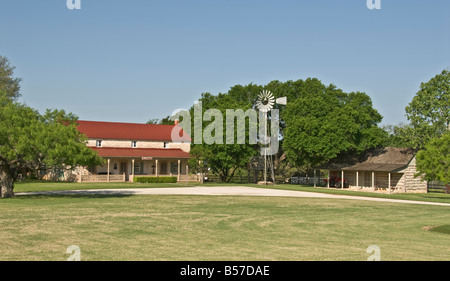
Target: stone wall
pixel 401 181
pixel 140 144
pixel 411 183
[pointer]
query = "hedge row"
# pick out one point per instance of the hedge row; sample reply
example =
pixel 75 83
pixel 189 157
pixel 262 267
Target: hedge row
pixel 155 179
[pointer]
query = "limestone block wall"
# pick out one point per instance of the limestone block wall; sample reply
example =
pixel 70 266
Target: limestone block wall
pixel 413 184
pixel 140 144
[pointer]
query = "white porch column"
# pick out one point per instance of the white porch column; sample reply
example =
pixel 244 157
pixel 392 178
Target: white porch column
pixel 187 174
pixel 328 180
pixel 179 170
pixel 373 181
pixel 357 179
pixel 156 171
pixel 132 170
pixel 314 177
pixel 342 180
pixel 389 182
pixel 109 161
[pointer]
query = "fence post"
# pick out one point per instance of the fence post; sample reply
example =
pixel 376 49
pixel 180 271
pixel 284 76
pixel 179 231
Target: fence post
pixel 108 179
pixel 187 175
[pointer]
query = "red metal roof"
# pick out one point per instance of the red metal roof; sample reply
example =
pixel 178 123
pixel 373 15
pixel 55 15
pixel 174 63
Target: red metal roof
pixel 141 152
pixel 126 131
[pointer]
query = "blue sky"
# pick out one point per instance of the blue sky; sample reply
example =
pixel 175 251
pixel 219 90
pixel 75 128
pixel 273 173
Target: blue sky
pixel 133 60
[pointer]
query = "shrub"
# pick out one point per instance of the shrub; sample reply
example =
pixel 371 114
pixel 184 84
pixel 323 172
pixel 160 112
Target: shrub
pixel 155 179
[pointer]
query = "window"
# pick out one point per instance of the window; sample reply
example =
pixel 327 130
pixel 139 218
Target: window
pixel 134 144
pixel 166 144
pixel 174 167
pixel 163 168
pixel 98 143
pixel 137 167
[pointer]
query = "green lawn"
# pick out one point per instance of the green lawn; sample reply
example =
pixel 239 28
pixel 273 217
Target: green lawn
pixel 427 197
pixel 168 227
pixel 32 186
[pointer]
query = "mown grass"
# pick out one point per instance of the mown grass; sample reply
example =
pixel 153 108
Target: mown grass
pixel 168 227
pixel 427 197
pixel 34 186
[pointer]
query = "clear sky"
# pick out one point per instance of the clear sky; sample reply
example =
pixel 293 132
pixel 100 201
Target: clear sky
pixel 133 60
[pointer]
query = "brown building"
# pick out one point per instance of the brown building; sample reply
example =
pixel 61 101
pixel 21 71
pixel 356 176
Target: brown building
pixel 389 168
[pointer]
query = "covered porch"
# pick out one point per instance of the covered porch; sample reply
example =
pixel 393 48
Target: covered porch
pixel 370 180
pixel 388 169
pixel 125 164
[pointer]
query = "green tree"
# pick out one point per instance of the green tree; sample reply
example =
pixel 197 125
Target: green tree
pixel 221 157
pixel 163 121
pixel 9 85
pixel 433 163
pixel 429 111
pixel 322 122
pixel 31 141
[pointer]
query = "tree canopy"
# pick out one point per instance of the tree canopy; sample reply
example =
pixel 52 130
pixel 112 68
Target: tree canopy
pixel 429 110
pixel 323 122
pixel 163 121
pixel 433 162
pixel 30 141
pixel 222 156
pixel 9 85
pixel 319 123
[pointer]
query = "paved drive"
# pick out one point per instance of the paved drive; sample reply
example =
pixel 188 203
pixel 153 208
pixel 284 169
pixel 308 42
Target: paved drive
pixel 229 190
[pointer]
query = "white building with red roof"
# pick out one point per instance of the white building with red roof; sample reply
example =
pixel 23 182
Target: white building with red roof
pixel 134 150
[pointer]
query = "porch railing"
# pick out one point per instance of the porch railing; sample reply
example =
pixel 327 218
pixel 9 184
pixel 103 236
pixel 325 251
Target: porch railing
pixel 103 178
pixel 181 178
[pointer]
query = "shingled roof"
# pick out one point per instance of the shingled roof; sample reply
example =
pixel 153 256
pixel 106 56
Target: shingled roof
pixel 386 159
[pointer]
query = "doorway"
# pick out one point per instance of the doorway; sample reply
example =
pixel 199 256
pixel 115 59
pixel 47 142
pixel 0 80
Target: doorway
pixel 124 169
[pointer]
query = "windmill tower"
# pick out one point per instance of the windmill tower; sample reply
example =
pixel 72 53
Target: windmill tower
pixel 265 104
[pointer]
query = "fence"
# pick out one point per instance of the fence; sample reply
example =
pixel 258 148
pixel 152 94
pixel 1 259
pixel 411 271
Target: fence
pixel 244 179
pixel 320 181
pixel 438 187
pixel 194 177
pixel 103 178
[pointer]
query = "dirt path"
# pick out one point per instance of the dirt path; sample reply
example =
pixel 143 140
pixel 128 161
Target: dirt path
pixel 230 190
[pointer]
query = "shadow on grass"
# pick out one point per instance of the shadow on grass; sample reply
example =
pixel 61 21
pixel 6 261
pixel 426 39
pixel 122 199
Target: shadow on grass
pixel 441 229
pixel 81 194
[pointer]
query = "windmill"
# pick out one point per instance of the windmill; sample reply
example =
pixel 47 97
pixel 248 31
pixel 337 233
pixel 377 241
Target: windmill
pixel 265 104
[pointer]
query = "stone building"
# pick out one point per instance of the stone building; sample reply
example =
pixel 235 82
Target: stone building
pixel 390 168
pixel 131 150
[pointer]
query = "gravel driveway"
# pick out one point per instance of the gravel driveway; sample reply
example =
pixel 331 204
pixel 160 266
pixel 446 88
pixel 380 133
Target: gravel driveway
pixel 229 190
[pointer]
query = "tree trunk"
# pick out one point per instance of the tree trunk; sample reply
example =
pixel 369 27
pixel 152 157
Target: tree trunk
pixel 6 183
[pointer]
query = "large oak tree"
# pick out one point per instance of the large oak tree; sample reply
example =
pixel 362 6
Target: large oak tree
pixel 323 122
pixel 9 85
pixel 429 110
pixel 223 156
pixel 30 141
pixel 433 162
